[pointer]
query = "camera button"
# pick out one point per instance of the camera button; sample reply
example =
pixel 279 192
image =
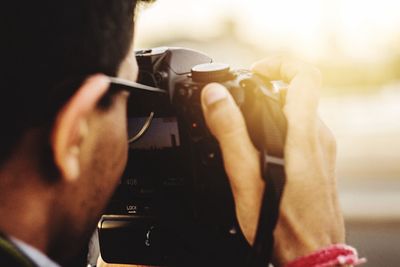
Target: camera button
pixel 149 232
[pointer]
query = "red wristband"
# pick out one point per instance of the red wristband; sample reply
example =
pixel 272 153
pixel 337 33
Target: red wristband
pixel 334 255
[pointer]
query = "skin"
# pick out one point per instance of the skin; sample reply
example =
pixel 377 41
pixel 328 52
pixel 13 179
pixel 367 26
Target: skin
pixel 90 158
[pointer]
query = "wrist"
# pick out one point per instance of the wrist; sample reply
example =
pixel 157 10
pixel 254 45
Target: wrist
pixel 290 246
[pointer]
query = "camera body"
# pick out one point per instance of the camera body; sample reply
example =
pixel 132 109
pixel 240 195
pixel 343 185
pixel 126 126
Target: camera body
pixel 174 205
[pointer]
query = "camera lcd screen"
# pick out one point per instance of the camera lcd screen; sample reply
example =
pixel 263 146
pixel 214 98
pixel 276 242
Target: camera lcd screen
pixel 155 159
pixel 162 133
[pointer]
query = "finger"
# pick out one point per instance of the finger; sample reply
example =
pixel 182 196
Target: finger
pixel 329 146
pixel 226 123
pixel 302 94
pixel 269 68
pixel 302 99
pixel 240 157
pixel 278 68
pixel 303 144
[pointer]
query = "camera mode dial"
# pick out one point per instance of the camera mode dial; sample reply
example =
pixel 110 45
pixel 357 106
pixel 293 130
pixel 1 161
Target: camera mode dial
pixel 211 72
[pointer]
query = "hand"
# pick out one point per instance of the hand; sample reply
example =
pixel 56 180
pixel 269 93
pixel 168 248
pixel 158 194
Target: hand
pixel 310 217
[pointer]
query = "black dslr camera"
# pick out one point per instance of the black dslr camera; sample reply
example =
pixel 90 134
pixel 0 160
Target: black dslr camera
pixel 174 205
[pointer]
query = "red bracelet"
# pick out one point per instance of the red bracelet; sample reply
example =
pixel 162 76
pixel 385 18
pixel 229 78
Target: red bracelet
pixel 334 255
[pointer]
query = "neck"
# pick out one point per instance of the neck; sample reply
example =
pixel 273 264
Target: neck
pixel 26 206
pixel 26 218
pixel 46 214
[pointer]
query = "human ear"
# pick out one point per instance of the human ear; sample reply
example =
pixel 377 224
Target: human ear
pixel 71 125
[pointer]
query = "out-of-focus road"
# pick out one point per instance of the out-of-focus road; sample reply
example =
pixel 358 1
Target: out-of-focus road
pixel 372 213
pixel 379 242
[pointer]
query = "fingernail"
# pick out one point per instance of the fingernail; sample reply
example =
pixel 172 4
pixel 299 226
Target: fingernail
pixel 214 93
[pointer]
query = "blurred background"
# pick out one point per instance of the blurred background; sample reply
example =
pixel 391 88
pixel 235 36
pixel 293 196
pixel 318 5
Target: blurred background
pixel 356 44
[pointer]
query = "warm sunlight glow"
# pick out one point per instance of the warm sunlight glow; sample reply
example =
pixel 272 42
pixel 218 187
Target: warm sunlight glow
pixel 309 28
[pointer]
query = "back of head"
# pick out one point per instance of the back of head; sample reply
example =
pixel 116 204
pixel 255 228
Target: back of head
pixel 45 43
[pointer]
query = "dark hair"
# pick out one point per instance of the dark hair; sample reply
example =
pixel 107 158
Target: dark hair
pixel 45 43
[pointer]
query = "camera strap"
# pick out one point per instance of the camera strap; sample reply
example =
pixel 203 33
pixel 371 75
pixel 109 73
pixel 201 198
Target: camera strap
pixel 273 171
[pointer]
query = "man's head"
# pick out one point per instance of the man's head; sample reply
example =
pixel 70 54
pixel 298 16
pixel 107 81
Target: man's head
pixel 64 135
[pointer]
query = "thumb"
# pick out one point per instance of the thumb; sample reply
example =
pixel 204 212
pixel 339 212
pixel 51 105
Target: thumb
pixel 226 123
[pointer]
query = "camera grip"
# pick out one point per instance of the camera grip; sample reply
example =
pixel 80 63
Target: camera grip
pixel 265 120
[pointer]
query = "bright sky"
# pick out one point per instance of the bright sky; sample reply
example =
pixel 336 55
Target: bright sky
pixel 361 29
